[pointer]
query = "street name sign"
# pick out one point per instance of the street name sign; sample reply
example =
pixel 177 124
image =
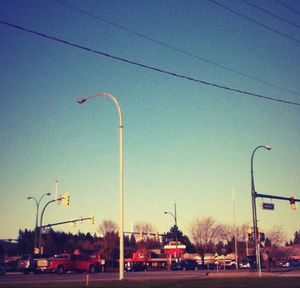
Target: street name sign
pixel 268 206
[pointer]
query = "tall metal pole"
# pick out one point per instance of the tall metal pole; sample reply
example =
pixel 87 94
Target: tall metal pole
pixel 254 213
pixel 37 202
pixel 235 233
pixel 41 223
pixel 121 178
pixel 175 219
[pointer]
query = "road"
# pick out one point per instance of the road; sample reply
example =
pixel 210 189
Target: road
pixel 19 278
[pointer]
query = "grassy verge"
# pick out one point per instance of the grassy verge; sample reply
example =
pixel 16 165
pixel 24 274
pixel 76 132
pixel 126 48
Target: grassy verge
pixel 276 282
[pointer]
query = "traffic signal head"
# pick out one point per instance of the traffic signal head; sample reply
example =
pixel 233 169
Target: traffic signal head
pixel 65 201
pixel 92 220
pixel 293 204
pixel 262 237
pixel 157 236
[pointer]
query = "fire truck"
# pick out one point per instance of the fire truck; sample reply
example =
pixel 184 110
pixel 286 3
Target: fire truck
pixel 67 262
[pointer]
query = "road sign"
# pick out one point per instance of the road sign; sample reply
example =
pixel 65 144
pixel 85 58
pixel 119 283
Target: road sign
pixel 268 206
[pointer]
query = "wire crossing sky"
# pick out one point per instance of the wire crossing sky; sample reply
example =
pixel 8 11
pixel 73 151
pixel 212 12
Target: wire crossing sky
pixel 172 47
pixel 151 67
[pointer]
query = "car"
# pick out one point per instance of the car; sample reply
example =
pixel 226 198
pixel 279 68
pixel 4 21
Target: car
pixel 135 267
pixel 245 265
pixel 26 264
pixel 184 265
pixel 227 264
pixel 291 263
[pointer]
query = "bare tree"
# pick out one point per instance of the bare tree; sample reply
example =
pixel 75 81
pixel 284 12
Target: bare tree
pixel 277 235
pixel 107 226
pixel 143 227
pixel 230 231
pixel 205 230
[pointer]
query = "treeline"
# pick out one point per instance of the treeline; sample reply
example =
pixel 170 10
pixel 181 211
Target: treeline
pixel 207 235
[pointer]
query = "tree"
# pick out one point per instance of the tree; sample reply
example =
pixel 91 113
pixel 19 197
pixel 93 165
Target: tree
pixel 205 230
pixel 176 233
pixel 205 233
pixel 107 226
pixel 25 241
pixel 277 236
pixel 297 238
pixel 143 227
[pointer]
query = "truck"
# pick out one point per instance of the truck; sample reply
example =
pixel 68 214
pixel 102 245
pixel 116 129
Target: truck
pixel 68 262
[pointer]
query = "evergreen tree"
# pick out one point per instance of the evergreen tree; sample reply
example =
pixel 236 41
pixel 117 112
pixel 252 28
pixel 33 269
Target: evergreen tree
pixel 297 238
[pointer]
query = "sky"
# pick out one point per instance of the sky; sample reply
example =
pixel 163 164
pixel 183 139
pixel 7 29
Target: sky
pixel 185 142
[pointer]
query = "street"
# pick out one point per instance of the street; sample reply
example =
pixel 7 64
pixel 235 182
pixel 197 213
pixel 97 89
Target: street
pixel 19 278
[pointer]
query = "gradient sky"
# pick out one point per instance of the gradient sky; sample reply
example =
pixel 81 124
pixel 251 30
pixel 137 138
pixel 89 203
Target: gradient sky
pixel 184 142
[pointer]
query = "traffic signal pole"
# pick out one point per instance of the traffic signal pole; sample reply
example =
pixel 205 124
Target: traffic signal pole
pixel 66 222
pixel 291 199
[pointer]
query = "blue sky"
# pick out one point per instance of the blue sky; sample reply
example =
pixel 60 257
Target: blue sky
pixel 184 142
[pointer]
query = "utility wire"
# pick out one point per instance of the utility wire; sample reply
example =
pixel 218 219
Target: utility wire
pixel 241 92
pixel 164 44
pixel 270 13
pixel 256 22
pixel 288 7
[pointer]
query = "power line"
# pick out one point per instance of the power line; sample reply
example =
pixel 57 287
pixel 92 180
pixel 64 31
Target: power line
pixel 256 22
pixel 150 67
pixel 288 7
pixel 270 13
pixel 174 48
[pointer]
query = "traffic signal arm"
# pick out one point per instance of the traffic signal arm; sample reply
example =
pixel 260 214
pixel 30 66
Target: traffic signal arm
pixel 292 199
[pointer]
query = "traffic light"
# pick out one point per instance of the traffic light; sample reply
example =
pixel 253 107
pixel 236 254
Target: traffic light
pixel 92 220
pixel 250 235
pixel 157 236
pixel 262 237
pixel 293 204
pixel 65 201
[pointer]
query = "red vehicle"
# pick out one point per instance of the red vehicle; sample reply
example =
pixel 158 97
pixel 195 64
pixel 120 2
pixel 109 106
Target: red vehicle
pixel 67 262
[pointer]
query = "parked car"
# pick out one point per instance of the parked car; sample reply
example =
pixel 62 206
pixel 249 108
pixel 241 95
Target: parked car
pixel 184 265
pixel 227 264
pixel 245 265
pixel 26 264
pixel 134 267
pixel 2 261
pixel 291 263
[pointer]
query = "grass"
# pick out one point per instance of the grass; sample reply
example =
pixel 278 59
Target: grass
pixel 270 282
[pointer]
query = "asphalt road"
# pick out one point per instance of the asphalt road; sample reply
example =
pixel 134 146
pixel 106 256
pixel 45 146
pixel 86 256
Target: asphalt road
pixel 19 278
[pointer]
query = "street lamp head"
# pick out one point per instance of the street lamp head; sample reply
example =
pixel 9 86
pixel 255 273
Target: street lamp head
pixel 81 100
pixel 268 147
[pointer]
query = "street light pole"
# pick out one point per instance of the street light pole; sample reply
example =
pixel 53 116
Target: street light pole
pixel 41 222
pixel 254 213
pixel 37 202
pixel 121 178
pixel 175 219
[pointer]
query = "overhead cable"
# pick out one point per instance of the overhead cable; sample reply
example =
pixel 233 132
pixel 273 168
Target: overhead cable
pixel 270 13
pixel 288 7
pixel 256 22
pixel 241 92
pixel 169 46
